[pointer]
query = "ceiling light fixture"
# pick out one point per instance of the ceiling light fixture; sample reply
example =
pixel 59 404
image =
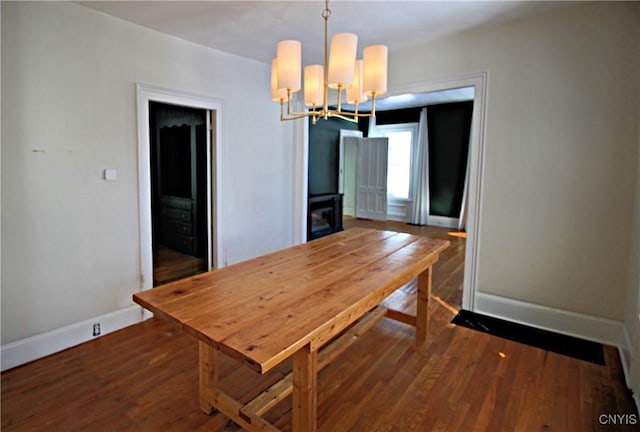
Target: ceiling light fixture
pixel 359 79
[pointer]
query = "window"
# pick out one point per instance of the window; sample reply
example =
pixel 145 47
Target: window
pixel 400 157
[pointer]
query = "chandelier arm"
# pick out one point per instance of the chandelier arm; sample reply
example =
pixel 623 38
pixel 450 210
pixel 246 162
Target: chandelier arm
pixel 292 115
pixel 291 112
pixel 297 116
pixel 342 114
pixel 343 117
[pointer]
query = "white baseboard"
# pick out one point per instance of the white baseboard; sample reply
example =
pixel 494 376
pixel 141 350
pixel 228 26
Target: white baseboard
pixel 588 327
pixel 442 221
pixel 602 330
pixel 26 350
pixel 625 355
pixel 630 356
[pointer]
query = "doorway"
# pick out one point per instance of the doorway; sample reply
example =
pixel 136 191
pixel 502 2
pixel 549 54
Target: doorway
pixel 178 191
pixel 424 162
pixel 473 188
pixel 208 244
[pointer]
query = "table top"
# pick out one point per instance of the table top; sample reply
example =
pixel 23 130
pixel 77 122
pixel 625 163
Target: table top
pixel 263 310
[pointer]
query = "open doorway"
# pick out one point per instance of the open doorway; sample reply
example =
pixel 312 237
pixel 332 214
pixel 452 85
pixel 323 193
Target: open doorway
pixel 188 208
pixel 425 165
pixel 178 138
pixel 473 188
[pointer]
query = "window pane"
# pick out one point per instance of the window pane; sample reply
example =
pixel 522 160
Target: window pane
pixel 399 163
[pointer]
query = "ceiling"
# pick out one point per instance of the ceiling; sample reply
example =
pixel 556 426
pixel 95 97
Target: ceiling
pixel 252 28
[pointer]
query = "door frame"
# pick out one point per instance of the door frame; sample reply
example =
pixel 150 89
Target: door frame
pixel 479 81
pixel 344 133
pixel 399 209
pixel 145 94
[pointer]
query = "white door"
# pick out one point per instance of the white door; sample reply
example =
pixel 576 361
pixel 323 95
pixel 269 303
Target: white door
pixel 371 200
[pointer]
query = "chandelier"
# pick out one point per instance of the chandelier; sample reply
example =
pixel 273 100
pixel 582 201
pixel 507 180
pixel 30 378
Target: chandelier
pixel 358 79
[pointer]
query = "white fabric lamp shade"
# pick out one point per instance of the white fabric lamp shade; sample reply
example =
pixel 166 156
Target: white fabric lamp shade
pixel 355 93
pixel 289 61
pixel 375 70
pixel 277 95
pixel 313 85
pixel 342 57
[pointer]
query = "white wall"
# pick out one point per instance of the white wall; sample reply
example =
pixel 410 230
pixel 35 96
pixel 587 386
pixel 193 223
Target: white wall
pixel 561 151
pixel 70 247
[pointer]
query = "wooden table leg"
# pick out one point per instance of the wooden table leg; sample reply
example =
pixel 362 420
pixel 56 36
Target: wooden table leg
pixel 422 310
pixel 305 390
pixel 208 373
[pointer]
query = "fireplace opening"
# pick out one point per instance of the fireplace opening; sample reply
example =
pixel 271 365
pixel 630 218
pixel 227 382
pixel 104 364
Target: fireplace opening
pixel 321 219
pixel 324 215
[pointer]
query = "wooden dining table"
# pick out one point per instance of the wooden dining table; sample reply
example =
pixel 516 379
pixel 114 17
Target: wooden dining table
pixel 306 303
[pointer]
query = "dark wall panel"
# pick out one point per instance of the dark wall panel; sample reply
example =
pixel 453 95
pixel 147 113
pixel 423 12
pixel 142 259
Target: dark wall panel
pixel 324 141
pixel 449 129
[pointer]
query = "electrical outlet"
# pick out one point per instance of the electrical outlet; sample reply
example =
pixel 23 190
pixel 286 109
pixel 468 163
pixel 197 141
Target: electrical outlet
pixel 96 329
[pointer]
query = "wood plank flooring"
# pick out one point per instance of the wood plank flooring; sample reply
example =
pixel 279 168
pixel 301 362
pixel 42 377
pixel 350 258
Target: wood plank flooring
pixel 170 265
pixel 144 378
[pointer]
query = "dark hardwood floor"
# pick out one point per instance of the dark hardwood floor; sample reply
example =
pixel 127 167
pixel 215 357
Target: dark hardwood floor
pixel 144 378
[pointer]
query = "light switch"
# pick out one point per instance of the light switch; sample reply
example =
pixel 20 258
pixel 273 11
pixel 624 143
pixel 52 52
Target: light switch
pixel 111 174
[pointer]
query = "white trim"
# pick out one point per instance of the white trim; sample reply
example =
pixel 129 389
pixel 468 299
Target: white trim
pixel 479 81
pixel 625 355
pixel 584 326
pixel 32 348
pixel 146 93
pixel 634 369
pixel 398 209
pixel 383 131
pixel 343 134
pixel 443 221
pixel 630 358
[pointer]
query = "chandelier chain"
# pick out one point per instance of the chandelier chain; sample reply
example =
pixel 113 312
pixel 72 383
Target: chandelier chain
pixel 326 13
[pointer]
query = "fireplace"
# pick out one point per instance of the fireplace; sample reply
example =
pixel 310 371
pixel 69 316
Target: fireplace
pixel 324 215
